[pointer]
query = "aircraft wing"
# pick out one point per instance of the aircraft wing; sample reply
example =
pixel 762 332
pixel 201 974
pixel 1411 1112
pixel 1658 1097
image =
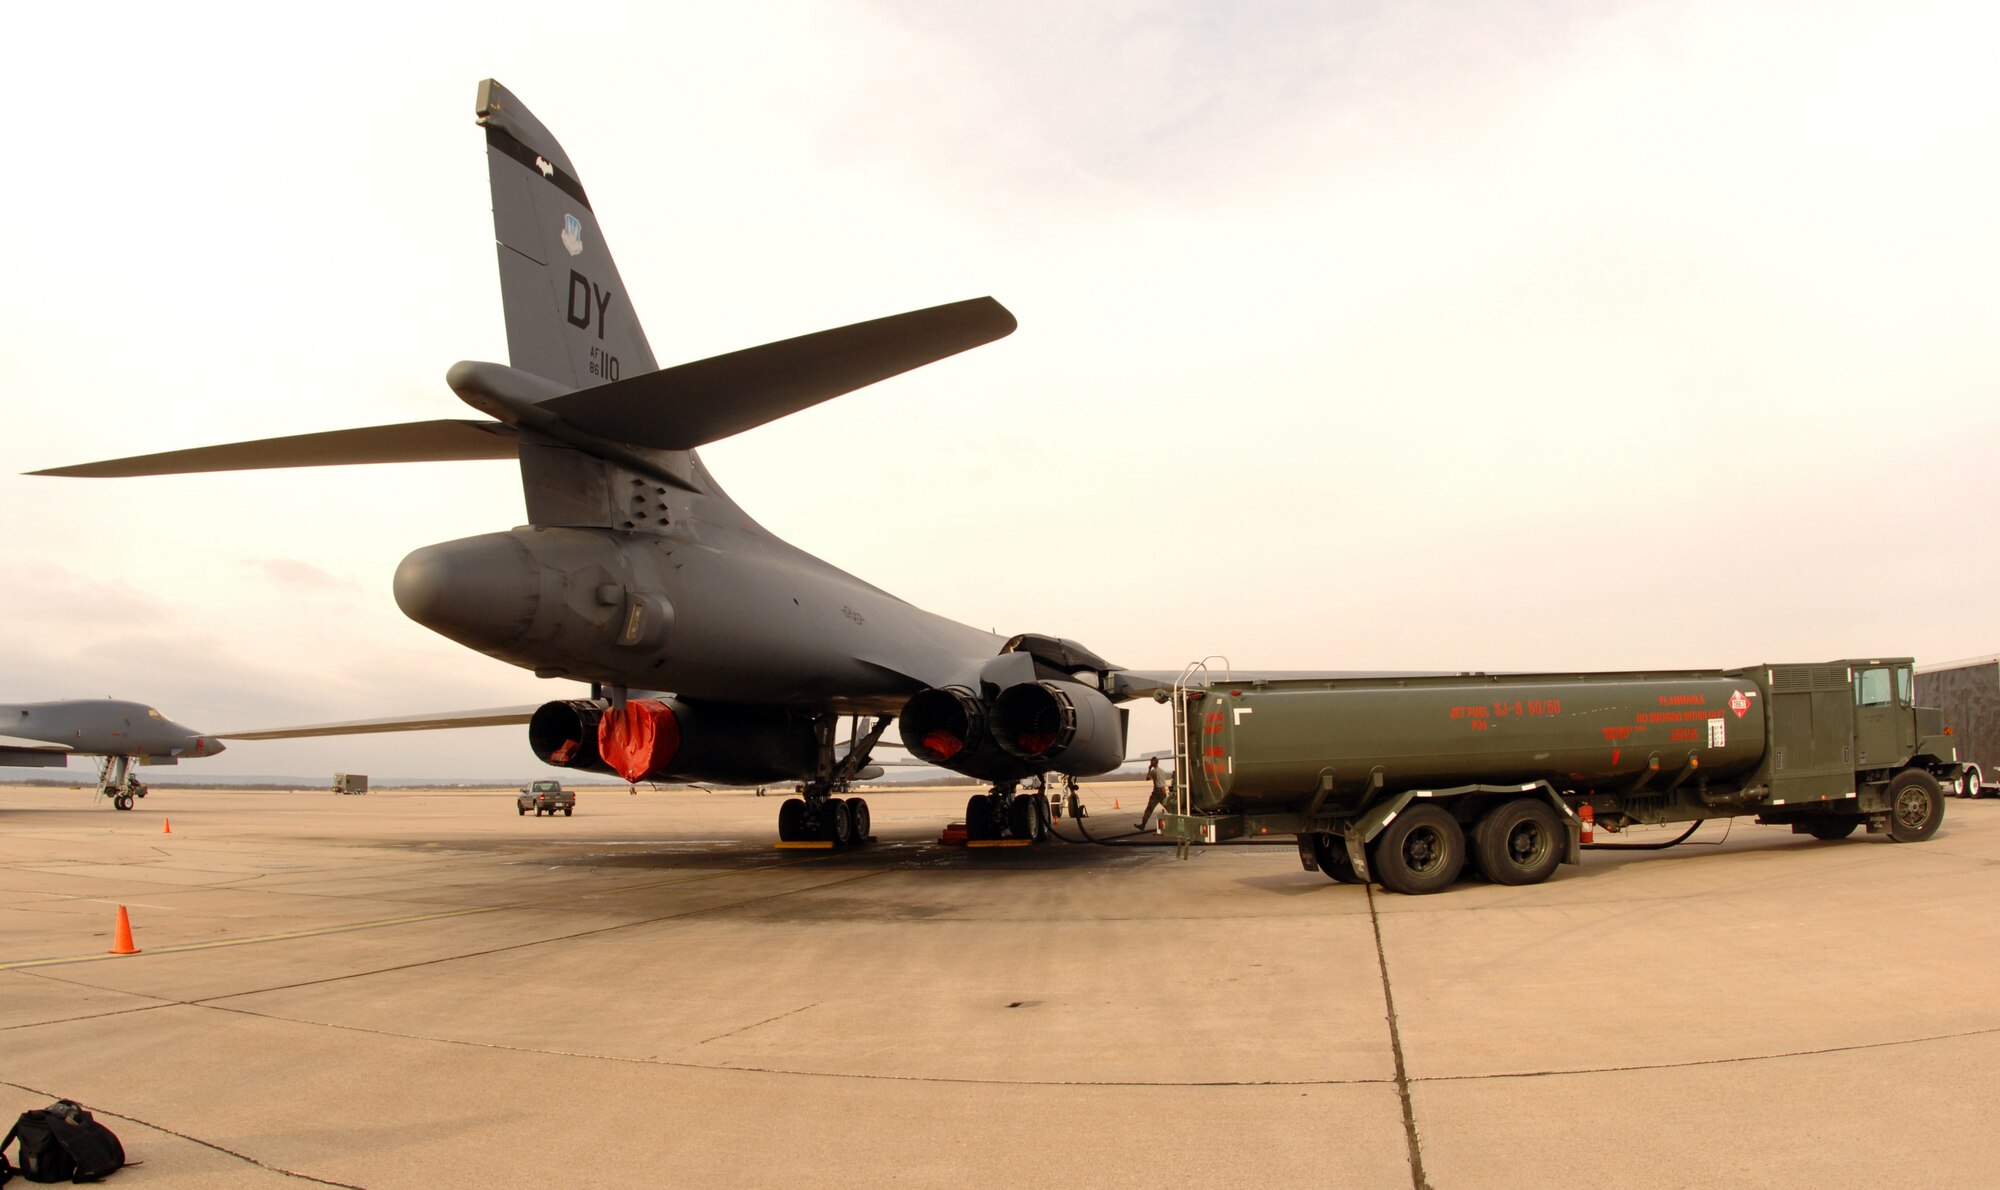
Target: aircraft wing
pixel 14 744
pixel 409 442
pixel 491 717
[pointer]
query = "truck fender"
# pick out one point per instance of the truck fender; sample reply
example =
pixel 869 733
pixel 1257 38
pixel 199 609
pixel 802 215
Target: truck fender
pixel 1362 831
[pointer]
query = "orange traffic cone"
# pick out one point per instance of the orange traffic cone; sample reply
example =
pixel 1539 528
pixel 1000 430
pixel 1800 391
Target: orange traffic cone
pixel 1114 803
pixel 121 941
pixel 167 826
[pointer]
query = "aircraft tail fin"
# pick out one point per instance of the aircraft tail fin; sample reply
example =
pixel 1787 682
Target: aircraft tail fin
pixel 568 316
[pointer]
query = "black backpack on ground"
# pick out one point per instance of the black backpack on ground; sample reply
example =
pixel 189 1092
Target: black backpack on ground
pixel 61 1142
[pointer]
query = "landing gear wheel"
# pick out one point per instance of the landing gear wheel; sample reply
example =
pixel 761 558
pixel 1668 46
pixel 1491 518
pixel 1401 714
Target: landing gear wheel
pixel 1830 829
pixel 138 790
pixel 121 801
pixel 979 816
pixel 792 820
pixel 1026 818
pixel 1330 853
pixel 1421 852
pixel 835 826
pixel 859 819
pixel 1916 806
pixel 1520 842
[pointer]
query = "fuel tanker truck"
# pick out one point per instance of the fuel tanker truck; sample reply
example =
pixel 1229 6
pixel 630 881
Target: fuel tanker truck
pixel 1411 780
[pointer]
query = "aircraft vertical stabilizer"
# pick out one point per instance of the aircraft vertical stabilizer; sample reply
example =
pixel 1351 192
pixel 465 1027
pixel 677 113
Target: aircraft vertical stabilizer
pixel 568 316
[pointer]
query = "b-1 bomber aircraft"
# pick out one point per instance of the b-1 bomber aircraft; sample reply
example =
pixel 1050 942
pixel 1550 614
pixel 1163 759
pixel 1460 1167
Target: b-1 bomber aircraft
pixel 636 572
pixel 122 734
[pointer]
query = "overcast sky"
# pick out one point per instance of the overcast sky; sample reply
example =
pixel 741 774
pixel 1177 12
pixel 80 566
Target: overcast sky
pixel 1353 335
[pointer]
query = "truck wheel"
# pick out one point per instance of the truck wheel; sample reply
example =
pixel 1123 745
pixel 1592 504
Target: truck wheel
pixel 1972 786
pixel 1520 842
pixel 520 809
pixel 792 820
pixel 1330 853
pixel 1830 829
pixel 568 810
pixel 1421 852
pixel 1916 806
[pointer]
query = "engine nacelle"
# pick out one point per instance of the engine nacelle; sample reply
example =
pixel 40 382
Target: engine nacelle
pixel 1065 727
pixel 947 726
pixel 940 723
pixel 658 739
pixel 564 734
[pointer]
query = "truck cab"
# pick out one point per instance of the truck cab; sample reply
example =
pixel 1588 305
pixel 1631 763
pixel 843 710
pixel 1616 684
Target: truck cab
pixel 1885 722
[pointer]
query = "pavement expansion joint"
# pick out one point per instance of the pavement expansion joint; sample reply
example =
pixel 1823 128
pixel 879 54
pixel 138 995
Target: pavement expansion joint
pixel 781 1071
pixel 1733 1060
pixel 1414 1142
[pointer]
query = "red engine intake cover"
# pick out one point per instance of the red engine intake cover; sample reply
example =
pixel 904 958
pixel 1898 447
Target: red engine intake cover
pixel 641 741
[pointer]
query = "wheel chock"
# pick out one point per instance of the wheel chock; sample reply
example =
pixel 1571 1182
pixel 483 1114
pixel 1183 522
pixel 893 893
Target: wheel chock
pixel 954 835
pixel 804 845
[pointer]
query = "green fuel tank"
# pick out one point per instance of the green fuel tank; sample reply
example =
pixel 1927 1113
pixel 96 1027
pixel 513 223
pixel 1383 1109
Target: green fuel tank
pixel 1267 746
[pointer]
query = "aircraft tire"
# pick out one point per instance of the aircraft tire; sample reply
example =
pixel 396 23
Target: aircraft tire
pixel 859 819
pixel 836 826
pixel 1916 806
pixel 122 801
pixel 978 817
pixel 1026 819
pixel 1422 851
pixel 1330 853
pixel 1519 842
pixel 792 820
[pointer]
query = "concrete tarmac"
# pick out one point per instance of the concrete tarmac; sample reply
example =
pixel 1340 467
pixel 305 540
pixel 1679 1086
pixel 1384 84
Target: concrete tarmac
pixel 416 989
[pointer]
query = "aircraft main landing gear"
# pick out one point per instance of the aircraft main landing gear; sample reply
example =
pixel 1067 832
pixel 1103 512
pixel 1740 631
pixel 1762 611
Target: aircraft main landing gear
pixel 1007 813
pixel 822 813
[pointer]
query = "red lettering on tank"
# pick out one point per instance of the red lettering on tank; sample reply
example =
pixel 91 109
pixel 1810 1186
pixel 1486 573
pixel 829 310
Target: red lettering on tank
pixel 1619 733
pixel 1683 735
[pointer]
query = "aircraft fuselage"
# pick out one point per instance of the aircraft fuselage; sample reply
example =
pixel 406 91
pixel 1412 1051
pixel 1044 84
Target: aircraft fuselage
pixel 101 727
pixel 712 611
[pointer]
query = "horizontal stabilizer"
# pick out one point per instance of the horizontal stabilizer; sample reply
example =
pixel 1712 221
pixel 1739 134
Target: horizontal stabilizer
pixel 694 404
pixel 12 744
pixel 491 717
pixel 410 442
